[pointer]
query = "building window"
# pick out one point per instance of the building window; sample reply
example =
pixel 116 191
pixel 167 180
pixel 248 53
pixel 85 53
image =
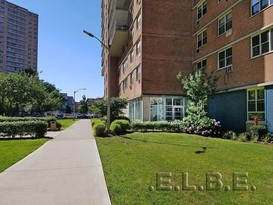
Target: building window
pixel 202 65
pixel 224 24
pixel 139 21
pixel 138 71
pixel 125 83
pixel 262 43
pixel 202 39
pixel 138 49
pixel 201 10
pixel 125 65
pixel 259 5
pixel 169 109
pixel 225 58
pixel 255 104
pixel 132 53
pixel 132 78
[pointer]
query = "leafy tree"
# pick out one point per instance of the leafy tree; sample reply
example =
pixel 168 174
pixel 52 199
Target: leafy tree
pixel 116 106
pixel 198 86
pixel 83 108
pixel 68 109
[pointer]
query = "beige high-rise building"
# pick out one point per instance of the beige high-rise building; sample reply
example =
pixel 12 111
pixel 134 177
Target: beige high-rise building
pixel 18 38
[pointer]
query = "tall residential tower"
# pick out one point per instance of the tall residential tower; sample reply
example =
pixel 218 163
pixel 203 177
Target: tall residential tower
pixel 18 38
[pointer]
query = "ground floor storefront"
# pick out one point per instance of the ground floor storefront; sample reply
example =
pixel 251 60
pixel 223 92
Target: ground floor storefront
pixel 157 108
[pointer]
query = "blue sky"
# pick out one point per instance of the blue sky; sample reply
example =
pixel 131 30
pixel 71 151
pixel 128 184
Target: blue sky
pixel 67 57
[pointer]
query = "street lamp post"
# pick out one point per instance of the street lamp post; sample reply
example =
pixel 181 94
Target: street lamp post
pixel 74 105
pixel 108 78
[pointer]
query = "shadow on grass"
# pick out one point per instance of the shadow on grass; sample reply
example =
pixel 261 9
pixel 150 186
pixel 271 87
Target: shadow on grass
pixel 204 149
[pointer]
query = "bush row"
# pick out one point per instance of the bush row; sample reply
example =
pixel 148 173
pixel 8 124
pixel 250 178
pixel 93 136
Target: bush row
pixel 257 133
pixel 206 127
pixel 22 128
pixel 16 119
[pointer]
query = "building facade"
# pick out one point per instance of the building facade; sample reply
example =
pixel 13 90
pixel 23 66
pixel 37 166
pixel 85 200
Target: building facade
pixel 18 38
pixel 149 47
pixel 234 39
pixel 152 41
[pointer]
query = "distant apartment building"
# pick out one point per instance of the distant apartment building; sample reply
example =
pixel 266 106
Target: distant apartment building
pixel 152 41
pixel 18 38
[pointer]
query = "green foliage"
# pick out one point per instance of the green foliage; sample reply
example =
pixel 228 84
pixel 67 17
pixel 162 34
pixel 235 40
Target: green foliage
pixel 116 129
pixel 175 126
pixel 124 124
pixel 22 128
pixel 20 90
pixel 99 129
pixel 116 105
pixel 16 119
pixel 83 108
pixel 198 85
pixel 258 132
pixel 230 135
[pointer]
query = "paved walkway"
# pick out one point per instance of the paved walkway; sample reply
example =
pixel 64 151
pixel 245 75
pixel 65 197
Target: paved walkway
pixel 66 170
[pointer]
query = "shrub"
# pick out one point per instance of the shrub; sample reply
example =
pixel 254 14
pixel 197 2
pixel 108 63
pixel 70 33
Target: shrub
pixel 175 126
pixel 59 125
pixel 258 131
pixel 202 126
pixel 22 128
pixel 230 135
pixel 116 128
pixel 99 129
pixel 124 124
pixel 244 137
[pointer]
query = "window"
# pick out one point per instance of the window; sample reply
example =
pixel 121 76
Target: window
pixel 202 39
pixel 132 78
pixel 262 43
pixel 225 58
pixel 224 24
pixel 138 49
pixel 255 104
pixel 132 56
pixel 125 84
pixel 138 70
pixel 125 65
pixel 139 21
pixel 259 5
pixel 201 10
pixel 202 65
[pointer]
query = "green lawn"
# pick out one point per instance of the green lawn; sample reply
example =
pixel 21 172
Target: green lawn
pixel 14 150
pixel 67 122
pixel 130 164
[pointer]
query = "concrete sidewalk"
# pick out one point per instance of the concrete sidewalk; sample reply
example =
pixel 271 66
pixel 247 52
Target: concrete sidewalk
pixel 66 170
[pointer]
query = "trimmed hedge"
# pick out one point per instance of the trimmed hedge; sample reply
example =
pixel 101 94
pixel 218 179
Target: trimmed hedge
pixel 163 126
pixel 22 128
pixel 116 128
pixel 124 125
pixel 16 119
pixel 99 127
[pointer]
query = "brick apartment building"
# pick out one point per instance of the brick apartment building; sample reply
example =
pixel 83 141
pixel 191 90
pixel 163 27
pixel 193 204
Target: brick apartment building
pixel 18 38
pixel 152 41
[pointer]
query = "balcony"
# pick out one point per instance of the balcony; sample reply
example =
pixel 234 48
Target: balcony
pixel 118 26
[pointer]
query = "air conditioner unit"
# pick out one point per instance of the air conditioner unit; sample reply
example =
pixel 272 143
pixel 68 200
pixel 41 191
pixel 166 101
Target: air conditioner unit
pixel 228 32
pixel 229 69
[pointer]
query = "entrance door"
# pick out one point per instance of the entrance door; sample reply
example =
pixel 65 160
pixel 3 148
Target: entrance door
pixel 178 112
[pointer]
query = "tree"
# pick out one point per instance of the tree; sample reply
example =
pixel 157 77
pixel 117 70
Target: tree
pixel 117 104
pixel 83 107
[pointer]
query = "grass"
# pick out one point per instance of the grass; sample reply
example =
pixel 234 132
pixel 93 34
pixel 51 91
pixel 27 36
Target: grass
pixel 67 122
pixel 13 151
pixel 131 162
